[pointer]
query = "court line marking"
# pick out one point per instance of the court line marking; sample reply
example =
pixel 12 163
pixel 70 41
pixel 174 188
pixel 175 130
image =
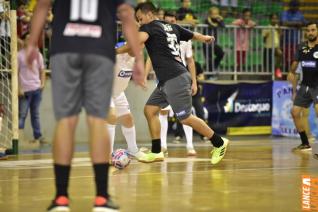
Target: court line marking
pixel 161 172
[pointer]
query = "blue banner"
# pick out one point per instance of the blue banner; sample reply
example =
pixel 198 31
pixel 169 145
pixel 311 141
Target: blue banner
pixel 282 122
pixel 239 109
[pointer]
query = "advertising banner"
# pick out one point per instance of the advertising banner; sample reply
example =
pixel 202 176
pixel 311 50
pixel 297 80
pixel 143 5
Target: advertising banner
pixel 240 108
pixel 282 122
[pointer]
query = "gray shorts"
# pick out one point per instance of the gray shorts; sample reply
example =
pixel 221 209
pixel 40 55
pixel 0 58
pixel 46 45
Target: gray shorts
pixel 81 80
pixel 305 96
pixel 175 92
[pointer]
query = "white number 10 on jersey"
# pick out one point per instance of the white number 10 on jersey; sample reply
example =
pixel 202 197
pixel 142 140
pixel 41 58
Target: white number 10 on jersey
pixel 86 10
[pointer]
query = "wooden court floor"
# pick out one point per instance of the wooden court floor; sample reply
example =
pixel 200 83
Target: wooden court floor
pixel 256 175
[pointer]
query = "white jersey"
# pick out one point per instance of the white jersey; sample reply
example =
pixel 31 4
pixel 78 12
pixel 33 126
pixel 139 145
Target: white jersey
pixel 186 51
pixel 123 73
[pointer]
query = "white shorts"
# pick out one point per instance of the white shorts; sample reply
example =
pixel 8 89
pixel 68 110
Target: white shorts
pixel 121 105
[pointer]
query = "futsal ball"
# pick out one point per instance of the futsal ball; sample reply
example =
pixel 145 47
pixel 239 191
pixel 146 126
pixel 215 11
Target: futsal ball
pixel 120 158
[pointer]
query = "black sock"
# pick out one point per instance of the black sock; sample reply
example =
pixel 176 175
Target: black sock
pixel 62 176
pixel 216 140
pixel 304 138
pixel 101 179
pixel 156 146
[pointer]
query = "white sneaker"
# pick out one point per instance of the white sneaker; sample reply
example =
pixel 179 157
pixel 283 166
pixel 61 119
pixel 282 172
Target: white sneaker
pixel 137 155
pixel 191 152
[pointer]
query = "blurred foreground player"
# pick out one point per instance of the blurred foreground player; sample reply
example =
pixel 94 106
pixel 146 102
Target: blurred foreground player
pixel 82 60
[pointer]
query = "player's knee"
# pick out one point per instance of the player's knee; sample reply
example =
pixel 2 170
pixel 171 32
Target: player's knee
pixel 186 120
pixel 111 119
pixel 149 112
pixel 295 113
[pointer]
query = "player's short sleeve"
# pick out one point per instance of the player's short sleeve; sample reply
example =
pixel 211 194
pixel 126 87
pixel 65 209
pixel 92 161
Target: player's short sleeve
pixel 145 28
pixel 185 34
pixel 189 53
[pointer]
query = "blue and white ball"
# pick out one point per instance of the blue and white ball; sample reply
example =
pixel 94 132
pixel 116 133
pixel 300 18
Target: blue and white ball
pixel 120 158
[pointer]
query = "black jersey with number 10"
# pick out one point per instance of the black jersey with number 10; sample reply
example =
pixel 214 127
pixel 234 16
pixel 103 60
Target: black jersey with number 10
pixel 163 46
pixel 85 26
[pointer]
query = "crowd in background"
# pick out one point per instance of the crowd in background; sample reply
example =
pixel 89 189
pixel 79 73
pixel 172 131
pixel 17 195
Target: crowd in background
pixel 224 13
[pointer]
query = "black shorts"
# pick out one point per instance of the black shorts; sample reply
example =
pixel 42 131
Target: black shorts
pixel 81 81
pixel 175 92
pixel 305 96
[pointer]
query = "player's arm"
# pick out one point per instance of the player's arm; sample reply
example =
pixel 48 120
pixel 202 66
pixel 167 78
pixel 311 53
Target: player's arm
pixel 130 29
pixel 292 76
pixel 143 37
pixel 126 15
pixel 37 24
pixel 203 38
pixel 148 67
pixel 191 67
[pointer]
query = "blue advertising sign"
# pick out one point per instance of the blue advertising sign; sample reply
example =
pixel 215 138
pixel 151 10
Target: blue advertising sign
pixel 239 109
pixel 282 122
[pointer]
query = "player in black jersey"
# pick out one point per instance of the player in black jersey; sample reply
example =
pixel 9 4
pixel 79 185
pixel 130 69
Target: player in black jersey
pixel 82 60
pixel 307 92
pixel 162 42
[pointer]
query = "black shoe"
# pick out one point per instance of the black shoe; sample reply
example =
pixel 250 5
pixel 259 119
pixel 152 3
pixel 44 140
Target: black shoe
pixel 105 205
pixel 316 156
pixel 302 147
pixel 60 204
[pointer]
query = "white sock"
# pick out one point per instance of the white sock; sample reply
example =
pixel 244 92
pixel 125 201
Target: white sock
pixel 188 131
pixel 164 130
pixel 111 131
pixel 130 136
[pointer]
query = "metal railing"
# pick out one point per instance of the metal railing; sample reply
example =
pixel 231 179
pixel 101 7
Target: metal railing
pixel 240 51
pixel 256 52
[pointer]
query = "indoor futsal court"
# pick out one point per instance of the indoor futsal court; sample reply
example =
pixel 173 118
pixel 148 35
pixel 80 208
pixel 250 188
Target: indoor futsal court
pixel 258 174
pixel 256 67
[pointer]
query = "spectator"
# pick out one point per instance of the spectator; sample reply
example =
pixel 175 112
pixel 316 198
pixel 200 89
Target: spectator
pixel 5 34
pixel 294 18
pixel 31 83
pixel 214 21
pixel 242 36
pixel 161 14
pixel 23 21
pixel 271 37
pixel 185 15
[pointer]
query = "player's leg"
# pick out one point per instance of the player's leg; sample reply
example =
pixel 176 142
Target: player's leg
pixel 152 108
pixel 178 91
pixel 66 84
pixel 97 90
pixel 126 121
pixel 302 101
pixel 305 119
pixel 111 125
pixel 163 117
pixel 188 131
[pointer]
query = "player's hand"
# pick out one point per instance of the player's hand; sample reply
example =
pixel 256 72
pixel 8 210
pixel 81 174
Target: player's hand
pixel 194 88
pixel 138 72
pixel 32 54
pixel 145 84
pixel 209 39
